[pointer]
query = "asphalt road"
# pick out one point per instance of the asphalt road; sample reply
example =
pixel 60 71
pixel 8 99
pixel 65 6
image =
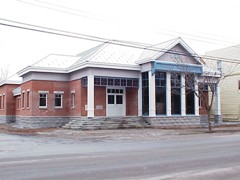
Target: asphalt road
pixel 206 156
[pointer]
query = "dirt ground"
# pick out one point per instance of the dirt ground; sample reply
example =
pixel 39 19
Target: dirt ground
pixel 121 134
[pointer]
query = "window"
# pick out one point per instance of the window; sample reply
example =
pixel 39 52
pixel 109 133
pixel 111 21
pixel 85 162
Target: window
pixel 18 102
pixel 58 100
pixel 189 91
pixel 110 99
pixel 3 101
pixel 42 100
pixel 0 101
pixel 160 81
pixel 200 103
pixel 28 98
pixel 119 99
pixel 72 99
pixel 23 94
pixel 145 93
pixel 175 93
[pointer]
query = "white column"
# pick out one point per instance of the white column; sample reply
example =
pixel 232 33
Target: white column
pixel 152 94
pixel 90 96
pixel 196 98
pixel 183 95
pixel 217 100
pixel 168 94
pixel 140 95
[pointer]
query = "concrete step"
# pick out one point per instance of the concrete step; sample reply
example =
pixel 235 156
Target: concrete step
pixel 106 123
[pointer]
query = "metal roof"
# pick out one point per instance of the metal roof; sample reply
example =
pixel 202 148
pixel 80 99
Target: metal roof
pixel 232 52
pixel 56 61
pixel 106 54
pixel 151 52
pixel 110 54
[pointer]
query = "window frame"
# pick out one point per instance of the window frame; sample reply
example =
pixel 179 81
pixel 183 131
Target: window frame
pixel 3 101
pixel 0 101
pixel 46 101
pixel 28 99
pixel 18 102
pixel 23 100
pixel 73 97
pixel 61 96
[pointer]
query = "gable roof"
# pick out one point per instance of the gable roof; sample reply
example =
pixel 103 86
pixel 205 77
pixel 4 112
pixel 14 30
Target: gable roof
pixel 109 53
pixel 56 61
pixel 232 52
pixel 153 52
pixel 106 55
pixel 14 79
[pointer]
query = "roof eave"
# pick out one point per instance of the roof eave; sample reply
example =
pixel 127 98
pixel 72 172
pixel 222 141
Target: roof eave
pixel 106 66
pixel 10 82
pixel 41 69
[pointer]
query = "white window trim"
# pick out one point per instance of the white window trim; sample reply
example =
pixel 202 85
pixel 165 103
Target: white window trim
pixel 58 92
pixel 73 99
pixel 43 92
pixel 58 107
pixel 18 103
pixel 28 98
pixel 23 100
pixel 3 101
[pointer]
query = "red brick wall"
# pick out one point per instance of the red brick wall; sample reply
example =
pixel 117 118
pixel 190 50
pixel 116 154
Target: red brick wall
pixel 24 110
pixel 99 101
pixel 2 91
pixel 17 110
pixel 75 86
pixel 131 101
pixel 10 100
pixel 50 86
pixel 9 104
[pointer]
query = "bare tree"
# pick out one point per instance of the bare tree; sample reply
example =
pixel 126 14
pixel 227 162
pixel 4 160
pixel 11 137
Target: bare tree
pixel 4 72
pixel 203 85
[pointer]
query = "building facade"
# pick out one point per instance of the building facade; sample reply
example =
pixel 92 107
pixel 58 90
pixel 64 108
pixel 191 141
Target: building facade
pixel 228 63
pixel 109 81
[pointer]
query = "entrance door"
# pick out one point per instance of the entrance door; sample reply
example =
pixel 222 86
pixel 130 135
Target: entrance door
pixel 115 102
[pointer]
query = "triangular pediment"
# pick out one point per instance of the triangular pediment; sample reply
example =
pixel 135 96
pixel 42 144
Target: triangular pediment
pixel 175 50
pixel 178 54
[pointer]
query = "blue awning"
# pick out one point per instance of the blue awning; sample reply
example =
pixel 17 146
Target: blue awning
pixel 174 67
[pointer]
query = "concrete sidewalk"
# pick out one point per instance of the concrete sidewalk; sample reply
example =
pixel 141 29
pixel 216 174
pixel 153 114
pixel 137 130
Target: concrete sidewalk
pixel 124 134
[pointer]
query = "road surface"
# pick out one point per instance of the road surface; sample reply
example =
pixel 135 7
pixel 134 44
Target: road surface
pixel 202 156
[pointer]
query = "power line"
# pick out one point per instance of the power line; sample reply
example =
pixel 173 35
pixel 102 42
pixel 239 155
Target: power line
pixel 105 40
pixel 186 35
pixel 63 11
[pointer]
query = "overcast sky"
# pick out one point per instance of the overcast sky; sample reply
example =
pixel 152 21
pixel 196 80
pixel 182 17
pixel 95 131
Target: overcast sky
pixel 204 24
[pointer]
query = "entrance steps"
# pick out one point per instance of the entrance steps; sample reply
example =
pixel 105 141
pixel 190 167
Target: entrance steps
pixel 98 123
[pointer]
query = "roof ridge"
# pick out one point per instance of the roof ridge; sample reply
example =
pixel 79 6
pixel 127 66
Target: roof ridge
pixel 102 46
pixel 173 40
pixel 90 52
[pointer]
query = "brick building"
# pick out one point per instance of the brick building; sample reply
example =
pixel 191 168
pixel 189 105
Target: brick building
pixel 106 81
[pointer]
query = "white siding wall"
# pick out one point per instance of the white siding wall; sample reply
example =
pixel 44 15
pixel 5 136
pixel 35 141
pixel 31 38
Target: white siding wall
pixel 230 97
